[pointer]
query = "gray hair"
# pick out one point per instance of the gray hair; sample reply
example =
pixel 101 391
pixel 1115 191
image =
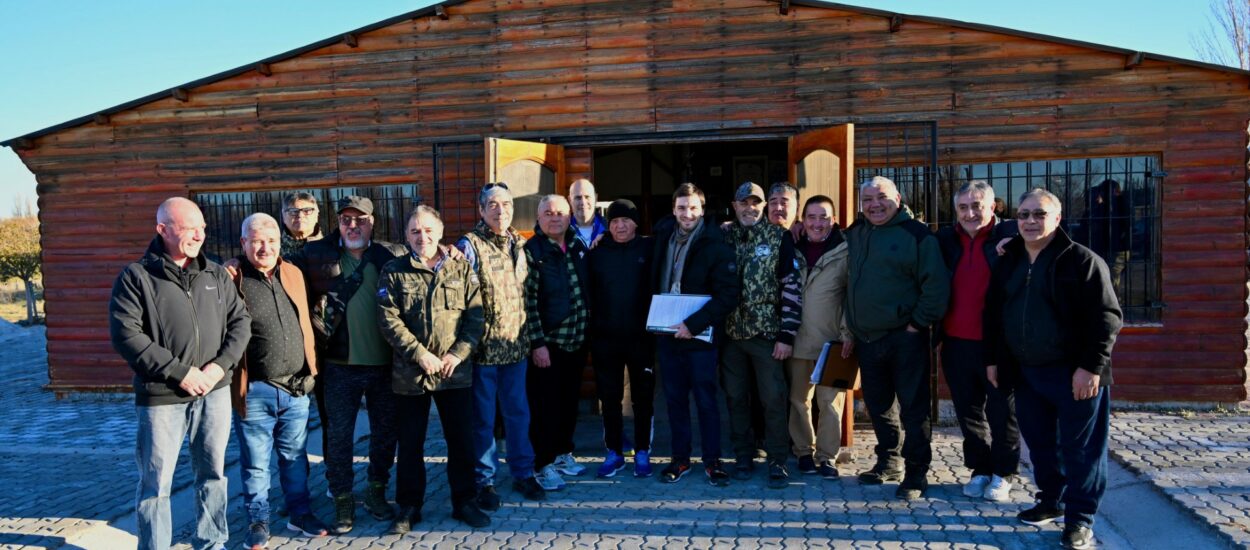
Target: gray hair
pixel 975 186
pixel 259 220
pixel 490 190
pixel 783 187
pixel 548 199
pixel 422 209
pixel 1042 195
pixel 297 196
pixel 881 182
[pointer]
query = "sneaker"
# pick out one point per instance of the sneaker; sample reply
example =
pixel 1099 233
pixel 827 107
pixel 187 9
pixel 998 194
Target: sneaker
pixel 807 465
pixel 827 470
pixel 487 498
pixel 344 513
pixel 642 464
pixel 880 474
pixel 1041 514
pixel 471 515
pixel 1078 536
pixel 549 479
pixel 307 525
pixel 530 489
pixel 975 487
pixel 674 472
pixel 612 464
pixel 376 504
pixel 408 516
pixel 778 477
pixel 716 475
pixel 257 536
pixel 913 487
pixel 567 465
pixel 998 490
pixel 744 468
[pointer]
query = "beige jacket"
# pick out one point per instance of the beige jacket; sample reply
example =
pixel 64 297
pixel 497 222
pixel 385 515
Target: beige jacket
pixel 824 294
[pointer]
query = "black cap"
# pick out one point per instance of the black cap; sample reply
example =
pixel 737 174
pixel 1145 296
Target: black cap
pixel 363 204
pixel 623 208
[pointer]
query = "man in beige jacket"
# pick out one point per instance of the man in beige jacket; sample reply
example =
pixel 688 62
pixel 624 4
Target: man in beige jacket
pixel 824 290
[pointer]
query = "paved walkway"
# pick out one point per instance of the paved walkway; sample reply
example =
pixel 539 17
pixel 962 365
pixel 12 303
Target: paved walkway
pixel 68 476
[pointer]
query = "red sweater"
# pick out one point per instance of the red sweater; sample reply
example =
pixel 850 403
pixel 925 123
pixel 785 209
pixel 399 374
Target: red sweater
pixel 968 287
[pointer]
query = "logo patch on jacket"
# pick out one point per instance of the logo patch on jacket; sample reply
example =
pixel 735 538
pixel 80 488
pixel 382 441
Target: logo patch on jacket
pixel 382 292
pixel 763 250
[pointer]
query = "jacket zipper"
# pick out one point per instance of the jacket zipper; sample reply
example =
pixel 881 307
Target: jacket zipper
pixel 1028 286
pixel 195 318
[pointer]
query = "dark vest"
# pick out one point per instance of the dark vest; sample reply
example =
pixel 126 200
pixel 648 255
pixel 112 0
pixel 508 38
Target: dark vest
pixel 502 272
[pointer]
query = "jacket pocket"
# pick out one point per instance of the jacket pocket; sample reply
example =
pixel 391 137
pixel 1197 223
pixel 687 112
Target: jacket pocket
pixel 453 295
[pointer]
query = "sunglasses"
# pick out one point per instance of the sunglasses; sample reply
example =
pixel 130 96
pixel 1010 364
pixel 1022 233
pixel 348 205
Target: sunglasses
pixel 1038 215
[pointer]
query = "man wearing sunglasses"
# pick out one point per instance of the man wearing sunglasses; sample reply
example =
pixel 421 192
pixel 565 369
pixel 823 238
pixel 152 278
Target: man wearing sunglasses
pixel 1051 319
pixel 299 221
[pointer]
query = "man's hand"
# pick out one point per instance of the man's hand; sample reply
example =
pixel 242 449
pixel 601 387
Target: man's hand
pixel 1085 384
pixel 449 365
pixel 1001 247
pixel 195 382
pixel 991 374
pixel 232 267
pixel 595 242
pixel 781 351
pixel 214 372
pixel 455 253
pixel 430 363
pixel 848 347
pixel 683 333
pixel 912 329
pixel 542 357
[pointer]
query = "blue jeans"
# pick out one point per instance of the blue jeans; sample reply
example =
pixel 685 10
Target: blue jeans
pixel 162 428
pixel 682 372
pixel 275 419
pixel 505 383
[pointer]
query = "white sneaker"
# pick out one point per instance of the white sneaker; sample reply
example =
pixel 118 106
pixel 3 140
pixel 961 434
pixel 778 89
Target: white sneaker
pixel 568 465
pixel 975 488
pixel 998 490
pixel 549 479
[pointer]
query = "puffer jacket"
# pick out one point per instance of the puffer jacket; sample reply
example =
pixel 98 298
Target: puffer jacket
pixel 824 294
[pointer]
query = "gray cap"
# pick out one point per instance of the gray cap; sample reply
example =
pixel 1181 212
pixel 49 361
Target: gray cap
pixel 749 189
pixel 363 204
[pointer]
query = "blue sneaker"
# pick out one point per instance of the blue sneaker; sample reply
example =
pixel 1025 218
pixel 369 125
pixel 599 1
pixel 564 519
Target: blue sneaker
pixel 612 464
pixel 642 464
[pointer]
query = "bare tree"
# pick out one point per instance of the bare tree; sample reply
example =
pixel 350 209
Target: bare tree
pixel 1226 40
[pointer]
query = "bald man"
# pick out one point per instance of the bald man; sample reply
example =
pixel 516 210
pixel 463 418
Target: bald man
pixel 177 320
pixel 587 224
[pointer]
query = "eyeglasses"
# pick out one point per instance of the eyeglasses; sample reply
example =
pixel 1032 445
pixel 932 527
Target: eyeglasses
pixel 301 211
pixel 348 221
pixel 1038 215
pixel 490 186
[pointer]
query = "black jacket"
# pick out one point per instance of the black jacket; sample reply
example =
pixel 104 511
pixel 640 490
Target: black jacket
pixel 555 294
pixel 953 249
pixel 164 322
pixel 1079 290
pixel 319 260
pixel 710 270
pixel 620 290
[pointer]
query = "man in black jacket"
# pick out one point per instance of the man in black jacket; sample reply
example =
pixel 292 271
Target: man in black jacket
pixel 177 320
pixel 1051 320
pixel 691 257
pixel 342 272
pixel 620 270
pixel 968 247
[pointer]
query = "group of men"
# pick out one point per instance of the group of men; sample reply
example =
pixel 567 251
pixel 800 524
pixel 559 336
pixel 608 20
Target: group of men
pixel 496 332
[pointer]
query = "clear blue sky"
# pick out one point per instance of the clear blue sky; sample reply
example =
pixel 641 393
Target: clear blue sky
pixel 62 59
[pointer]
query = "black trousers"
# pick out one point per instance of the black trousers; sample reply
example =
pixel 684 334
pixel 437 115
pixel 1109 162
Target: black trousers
pixel 455 411
pixel 987 415
pixel 612 356
pixel 345 385
pixel 894 373
pixel 553 393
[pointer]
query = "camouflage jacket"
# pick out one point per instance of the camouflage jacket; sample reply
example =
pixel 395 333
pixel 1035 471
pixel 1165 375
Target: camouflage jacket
pixel 770 302
pixel 502 269
pixel 422 310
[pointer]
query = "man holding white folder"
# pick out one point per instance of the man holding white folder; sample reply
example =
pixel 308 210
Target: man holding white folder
pixel 691 257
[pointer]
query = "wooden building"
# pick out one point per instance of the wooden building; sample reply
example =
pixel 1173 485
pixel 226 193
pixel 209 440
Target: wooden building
pixel 642 94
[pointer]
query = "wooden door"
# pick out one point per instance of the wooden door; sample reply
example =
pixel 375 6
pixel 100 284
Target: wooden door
pixel 822 162
pixel 531 170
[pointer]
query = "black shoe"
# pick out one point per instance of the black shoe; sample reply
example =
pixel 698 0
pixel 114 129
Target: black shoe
pixel 716 475
pixel 376 504
pixel 1078 536
pixel 880 474
pixel 827 470
pixel 1041 514
pixel 744 468
pixel 307 525
pixel 778 477
pixel 530 489
pixel 408 516
pixel 344 513
pixel 487 498
pixel 257 536
pixel 807 465
pixel 913 487
pixel 471 515
pixel 674 472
